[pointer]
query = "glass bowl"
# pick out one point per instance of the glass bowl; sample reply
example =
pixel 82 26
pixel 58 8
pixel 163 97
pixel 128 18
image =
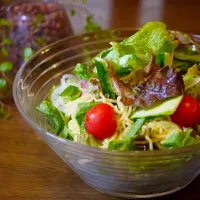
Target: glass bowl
pixel 128 175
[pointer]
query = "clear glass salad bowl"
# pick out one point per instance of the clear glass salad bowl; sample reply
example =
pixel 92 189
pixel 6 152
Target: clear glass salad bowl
pixel 137 174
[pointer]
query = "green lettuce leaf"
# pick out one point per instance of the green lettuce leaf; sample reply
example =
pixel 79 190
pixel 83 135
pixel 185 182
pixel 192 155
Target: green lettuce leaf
pixel 122 145
pixel 191 78
pixel 135 51
pixel 189 81
pixel 104 53
pixel 187 57
pixel 122 66
pixel 192 71
pixel 134 129
pixel 182 65
pixel 179 139
pixel 188 49
pixel 127 143
pixel 152 38
pixel 193 91
pixel 124 62
pixel 82 71
pixel 164 59
pixel 192 82
pixel 103 76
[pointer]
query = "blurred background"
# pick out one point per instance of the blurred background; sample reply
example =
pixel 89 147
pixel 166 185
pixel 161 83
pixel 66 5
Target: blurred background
pixel 177 14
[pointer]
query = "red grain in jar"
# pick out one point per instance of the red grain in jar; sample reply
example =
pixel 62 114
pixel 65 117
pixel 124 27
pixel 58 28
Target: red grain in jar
pixel 34 24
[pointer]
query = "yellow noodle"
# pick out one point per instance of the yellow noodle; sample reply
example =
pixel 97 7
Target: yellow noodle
pixel 160 137
pixel 144 142
pixel 149 140
pixel 124 123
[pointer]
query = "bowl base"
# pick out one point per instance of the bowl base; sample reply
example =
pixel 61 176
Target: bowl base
pixel 138 196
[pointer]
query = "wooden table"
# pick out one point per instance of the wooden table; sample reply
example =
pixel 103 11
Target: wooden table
pixel 29 170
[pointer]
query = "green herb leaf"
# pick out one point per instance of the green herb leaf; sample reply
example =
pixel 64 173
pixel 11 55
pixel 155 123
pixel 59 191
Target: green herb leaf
pixel 7 42
pixel 2 83
pixel 28 52
pixel 35 25
pixel 41 41
pixel 72 12
pixel 71 93
pixel 56 120
pixel 6 66
pixel 4 52
pixel 5 22
pixel 39 17
pixel 91 26
pixel 82 71
pixel 82 109
pixel 52 115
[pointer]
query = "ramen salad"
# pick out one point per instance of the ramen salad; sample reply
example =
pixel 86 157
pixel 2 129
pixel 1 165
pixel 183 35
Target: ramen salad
pixel 140 94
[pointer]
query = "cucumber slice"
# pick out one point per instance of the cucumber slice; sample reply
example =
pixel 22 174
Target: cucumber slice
pixel 162 108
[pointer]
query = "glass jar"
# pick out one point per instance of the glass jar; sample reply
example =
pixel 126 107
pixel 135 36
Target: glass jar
pixel 25 27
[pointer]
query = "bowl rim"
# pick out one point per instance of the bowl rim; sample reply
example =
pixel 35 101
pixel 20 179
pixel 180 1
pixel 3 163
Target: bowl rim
pixel 32 123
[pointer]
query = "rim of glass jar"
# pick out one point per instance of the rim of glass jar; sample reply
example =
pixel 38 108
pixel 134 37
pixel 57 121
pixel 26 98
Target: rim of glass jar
pixel 163 152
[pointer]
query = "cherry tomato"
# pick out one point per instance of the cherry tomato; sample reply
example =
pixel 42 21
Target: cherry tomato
pixel 188 112
pixel 101 121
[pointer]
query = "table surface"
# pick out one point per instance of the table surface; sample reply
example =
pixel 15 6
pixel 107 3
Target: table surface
pixel 29 169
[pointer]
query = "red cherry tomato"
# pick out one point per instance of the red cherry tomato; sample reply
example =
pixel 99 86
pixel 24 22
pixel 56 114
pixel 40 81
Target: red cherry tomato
pixel 101 121
pixel 188 112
